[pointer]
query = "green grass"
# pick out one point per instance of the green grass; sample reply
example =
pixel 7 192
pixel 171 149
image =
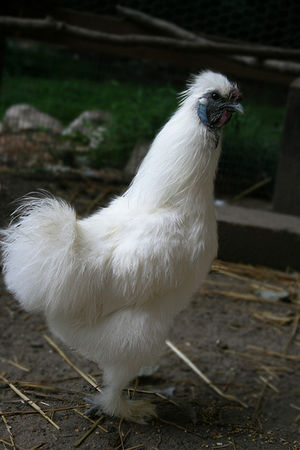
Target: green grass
pixel 63 87
pixel 137 111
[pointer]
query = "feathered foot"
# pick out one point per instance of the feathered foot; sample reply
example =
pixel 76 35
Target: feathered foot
pixel 139 411
pixel 111 400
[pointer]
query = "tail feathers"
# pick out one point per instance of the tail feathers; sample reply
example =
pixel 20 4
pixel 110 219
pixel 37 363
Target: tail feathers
pixel 39 251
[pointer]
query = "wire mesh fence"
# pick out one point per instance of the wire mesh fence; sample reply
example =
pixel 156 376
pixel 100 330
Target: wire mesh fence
pixel 135 98
pixel 273 22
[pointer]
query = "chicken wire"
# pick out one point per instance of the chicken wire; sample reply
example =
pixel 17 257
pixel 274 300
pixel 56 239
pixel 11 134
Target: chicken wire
pixel 242 165
pixel 272 22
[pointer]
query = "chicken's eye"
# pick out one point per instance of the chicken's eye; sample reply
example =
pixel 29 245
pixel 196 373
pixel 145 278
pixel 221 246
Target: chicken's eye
pixel 215 96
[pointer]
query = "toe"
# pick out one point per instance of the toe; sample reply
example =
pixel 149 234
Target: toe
pixel 94 410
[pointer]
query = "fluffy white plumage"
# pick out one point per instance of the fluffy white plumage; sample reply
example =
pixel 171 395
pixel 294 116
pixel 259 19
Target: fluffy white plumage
pixel 111 284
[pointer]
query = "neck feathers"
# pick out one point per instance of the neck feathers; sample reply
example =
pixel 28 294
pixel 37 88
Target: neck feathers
pixel 180 165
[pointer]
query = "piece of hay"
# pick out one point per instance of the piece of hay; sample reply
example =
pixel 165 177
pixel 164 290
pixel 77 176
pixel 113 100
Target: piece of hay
pixel 30 402
pixel 202 376
pixel 87 377
pixel 90 420
pixel 89 431
pixel 9 432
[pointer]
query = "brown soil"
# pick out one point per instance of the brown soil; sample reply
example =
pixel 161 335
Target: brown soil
pixel 217 332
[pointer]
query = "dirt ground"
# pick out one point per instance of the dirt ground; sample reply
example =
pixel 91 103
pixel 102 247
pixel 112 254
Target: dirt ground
pixel 247 345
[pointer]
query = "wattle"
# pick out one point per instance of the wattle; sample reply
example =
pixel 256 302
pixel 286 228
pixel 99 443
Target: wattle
pixel 226 116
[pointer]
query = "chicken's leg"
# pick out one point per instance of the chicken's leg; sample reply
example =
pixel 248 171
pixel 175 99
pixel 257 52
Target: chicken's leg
pixel 112 401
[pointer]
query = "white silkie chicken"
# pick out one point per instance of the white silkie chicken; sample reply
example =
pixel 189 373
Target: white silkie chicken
pixel 111 284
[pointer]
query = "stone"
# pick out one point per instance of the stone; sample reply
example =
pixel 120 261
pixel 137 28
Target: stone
pixel 258 236
pixel 87 122
pixel 96 136
pixel 23 117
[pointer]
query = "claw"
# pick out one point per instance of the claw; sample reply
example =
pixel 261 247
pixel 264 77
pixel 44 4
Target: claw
pixel 94 410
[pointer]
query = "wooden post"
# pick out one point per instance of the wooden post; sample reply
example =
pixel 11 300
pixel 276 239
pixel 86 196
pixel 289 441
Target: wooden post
pixel 287 187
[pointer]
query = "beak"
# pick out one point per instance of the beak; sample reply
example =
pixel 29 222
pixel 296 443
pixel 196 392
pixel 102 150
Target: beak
pixel 235 107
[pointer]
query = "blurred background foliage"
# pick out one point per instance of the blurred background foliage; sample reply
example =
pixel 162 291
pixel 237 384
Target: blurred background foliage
pixel 140 96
